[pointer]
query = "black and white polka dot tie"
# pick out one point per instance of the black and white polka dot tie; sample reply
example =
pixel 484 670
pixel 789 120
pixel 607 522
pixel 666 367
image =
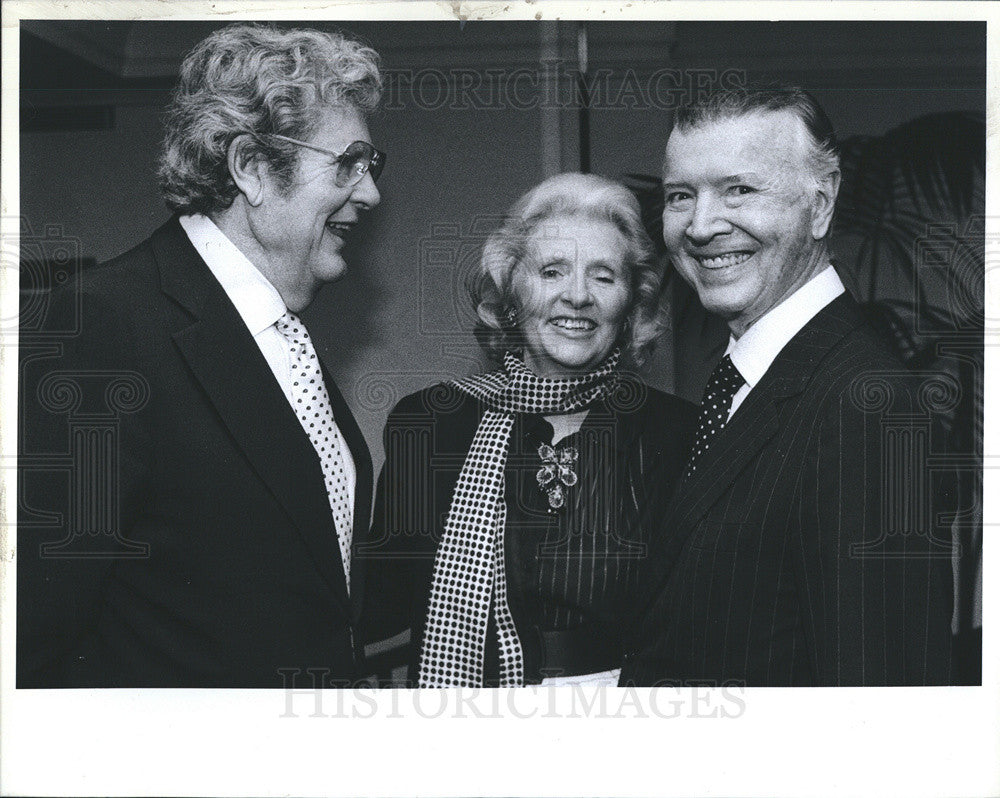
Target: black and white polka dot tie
pixel 722 386
pixel 312 406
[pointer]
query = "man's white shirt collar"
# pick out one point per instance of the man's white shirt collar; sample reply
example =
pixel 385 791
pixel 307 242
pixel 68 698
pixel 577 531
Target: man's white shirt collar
pixel 256 300
pixel 260 306
pixel 754 351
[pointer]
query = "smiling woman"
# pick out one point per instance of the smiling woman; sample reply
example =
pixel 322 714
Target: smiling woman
pixel 515 507
pixel 573 291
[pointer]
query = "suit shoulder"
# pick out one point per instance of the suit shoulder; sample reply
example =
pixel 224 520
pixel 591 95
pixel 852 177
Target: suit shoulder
pixel 441 398
pixel 124 278
pixel 137 255
pixel 668 403
pixel 451 414
pixel 666 421
pixel 841 334
pixel 864 373
pixel 645 400
pixel 867 344
pixel 863 351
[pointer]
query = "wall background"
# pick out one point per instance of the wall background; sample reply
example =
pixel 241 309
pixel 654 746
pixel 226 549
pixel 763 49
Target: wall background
pixel 475 115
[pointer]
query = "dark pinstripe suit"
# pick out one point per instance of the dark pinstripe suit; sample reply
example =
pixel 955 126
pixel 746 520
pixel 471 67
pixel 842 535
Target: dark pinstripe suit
pixel 772 567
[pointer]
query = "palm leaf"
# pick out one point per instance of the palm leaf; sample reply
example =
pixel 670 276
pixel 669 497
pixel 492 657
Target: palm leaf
pixel 907 195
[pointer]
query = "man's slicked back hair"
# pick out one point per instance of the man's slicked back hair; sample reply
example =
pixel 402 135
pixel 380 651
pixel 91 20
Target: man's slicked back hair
pixel 717 106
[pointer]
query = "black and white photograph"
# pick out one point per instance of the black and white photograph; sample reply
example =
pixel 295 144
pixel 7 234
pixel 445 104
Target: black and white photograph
pixel 601 371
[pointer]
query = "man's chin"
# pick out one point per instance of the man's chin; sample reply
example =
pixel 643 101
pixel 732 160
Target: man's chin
pixel 721 302
pixel 332 270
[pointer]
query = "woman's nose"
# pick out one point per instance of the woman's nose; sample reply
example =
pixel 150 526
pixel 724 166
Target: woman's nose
pixel 576 291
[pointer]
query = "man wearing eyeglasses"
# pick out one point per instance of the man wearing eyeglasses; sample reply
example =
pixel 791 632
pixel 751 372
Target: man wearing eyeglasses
pixel 240 473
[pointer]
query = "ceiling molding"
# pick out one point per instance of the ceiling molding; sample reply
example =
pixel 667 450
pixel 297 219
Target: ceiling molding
pixel 844 54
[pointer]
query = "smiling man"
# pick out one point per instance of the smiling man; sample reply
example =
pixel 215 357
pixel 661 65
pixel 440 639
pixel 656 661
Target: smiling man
pixel 784 559
pixel 222 553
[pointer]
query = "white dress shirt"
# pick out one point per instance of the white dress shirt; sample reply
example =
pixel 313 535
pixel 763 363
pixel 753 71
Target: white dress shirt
pixel 754 351
pixel 258 303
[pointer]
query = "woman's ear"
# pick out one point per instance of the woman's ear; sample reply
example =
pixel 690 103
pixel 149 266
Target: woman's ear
pixel 247 169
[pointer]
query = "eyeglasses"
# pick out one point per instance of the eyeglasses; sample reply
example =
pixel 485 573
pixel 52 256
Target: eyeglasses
pixel 359 159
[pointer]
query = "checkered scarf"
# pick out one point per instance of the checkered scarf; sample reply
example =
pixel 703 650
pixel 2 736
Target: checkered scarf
pixel 469 565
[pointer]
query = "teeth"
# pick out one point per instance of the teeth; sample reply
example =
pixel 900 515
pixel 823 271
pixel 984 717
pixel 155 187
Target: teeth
pixel 722 261
pixel 574 324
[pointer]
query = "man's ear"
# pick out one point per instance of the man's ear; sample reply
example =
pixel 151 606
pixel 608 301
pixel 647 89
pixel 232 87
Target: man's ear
pixel 247 169
pixel 825 199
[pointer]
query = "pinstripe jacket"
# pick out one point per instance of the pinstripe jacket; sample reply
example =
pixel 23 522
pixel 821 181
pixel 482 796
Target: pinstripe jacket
pixel 804 549
pixel 571 573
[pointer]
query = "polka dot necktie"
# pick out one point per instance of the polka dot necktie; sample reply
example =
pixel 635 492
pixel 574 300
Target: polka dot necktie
pixel 312 406
pixel 722 386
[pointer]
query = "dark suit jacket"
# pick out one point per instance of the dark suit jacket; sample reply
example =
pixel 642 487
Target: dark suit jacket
pixel 800 552
pixel 643 436
pixel 192 543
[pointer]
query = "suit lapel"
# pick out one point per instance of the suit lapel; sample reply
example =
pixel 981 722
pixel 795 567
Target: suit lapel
pixel 356 442
pixel 355 439
pixel 227 363
pixel 752 427
pixel 740 440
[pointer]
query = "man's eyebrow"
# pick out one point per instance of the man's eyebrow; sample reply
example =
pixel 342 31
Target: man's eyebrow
pixel 744 177
pixel 555 259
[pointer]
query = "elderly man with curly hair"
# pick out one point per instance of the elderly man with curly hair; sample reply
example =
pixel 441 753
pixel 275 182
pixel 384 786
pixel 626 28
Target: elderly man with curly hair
pixel 240 473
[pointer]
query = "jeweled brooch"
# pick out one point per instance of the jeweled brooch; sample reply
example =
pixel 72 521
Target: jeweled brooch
pixel 556 473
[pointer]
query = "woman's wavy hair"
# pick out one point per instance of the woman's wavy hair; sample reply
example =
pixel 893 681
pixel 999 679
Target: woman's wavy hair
pixel 577 195
pixel 256 79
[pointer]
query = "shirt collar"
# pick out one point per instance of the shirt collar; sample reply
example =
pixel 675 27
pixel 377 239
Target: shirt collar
pixel 754 351
pixel 256 300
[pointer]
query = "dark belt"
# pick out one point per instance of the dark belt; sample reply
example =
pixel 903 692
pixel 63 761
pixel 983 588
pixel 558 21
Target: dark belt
pixel 586 649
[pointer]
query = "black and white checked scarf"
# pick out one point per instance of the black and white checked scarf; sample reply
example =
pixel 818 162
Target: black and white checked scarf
pixel 469 565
